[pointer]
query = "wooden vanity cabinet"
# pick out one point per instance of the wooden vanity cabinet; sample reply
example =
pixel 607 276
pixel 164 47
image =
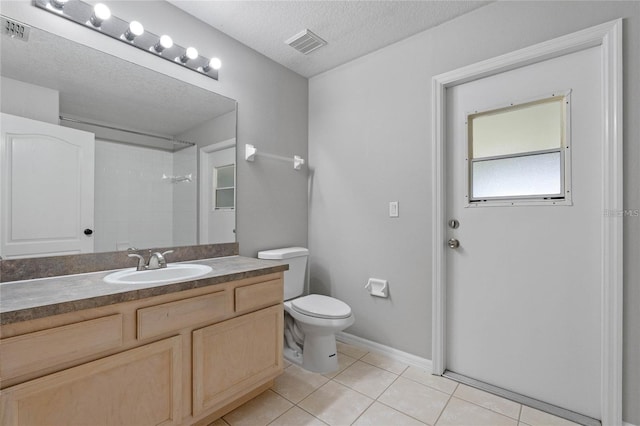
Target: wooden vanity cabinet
pixel 181 358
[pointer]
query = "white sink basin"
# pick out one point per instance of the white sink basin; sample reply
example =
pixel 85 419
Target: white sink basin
pixel 174 272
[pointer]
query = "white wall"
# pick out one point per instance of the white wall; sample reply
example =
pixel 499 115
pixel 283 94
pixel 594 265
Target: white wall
pixel 370 143
pixel 216 130
pixel 272 110
pixel 18 99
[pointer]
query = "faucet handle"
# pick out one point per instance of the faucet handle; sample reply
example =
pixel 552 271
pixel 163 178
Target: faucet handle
pixel 142 265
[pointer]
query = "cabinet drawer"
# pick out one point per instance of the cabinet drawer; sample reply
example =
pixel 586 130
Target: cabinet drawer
pixel 254 296
pixel 43 349
pixel 173 316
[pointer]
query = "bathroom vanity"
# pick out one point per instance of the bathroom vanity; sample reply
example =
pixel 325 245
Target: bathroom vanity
pixel 77 350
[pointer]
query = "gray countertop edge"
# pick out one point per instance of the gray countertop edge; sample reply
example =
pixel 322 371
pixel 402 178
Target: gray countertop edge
pixel 63 307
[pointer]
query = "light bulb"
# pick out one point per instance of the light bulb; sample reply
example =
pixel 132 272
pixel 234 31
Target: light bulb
pixel 135 29
pixel 213 64
pixel 100 13
pixel 190 53
pixel 165 42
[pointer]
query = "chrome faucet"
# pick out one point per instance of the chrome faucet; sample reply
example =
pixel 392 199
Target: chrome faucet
pixel 156 260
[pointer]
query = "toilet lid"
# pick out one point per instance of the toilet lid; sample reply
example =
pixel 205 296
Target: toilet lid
pixel 316 305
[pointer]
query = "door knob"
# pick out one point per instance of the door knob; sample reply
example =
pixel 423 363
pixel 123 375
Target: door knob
pixel 453 243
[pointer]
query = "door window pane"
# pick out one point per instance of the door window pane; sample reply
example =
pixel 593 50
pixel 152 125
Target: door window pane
pixel 535 126
pixel 527 175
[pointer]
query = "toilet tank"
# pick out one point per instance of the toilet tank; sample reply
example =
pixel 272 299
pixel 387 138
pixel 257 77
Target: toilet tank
pixel 296 257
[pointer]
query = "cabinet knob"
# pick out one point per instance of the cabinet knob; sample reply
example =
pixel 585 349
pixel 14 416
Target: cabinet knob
pixel 88 231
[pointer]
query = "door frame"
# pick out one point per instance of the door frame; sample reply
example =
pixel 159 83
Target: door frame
pixel 608 37
pixel 205 184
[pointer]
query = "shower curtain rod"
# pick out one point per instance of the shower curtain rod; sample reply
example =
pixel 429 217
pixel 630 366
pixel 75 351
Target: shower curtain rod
pixel 135 132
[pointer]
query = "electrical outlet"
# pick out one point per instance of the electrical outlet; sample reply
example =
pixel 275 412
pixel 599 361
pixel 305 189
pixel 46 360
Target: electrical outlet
pixel 393 209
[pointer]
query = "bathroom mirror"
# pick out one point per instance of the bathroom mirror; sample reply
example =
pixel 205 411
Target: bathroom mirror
pixel 153 134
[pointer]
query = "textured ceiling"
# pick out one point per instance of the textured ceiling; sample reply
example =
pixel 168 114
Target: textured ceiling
pixel 351 28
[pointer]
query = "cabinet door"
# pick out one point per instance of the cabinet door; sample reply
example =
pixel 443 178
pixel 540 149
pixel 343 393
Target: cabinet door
pixel 46 188
pixel 141 386
pixel 233 357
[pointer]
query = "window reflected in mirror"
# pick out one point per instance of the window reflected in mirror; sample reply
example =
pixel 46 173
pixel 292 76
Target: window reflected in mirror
pixel 224 187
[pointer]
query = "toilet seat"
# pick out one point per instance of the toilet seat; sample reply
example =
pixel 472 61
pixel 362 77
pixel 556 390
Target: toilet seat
pixel 318 306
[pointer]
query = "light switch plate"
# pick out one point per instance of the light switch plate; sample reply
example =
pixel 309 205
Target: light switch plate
pixel 393 209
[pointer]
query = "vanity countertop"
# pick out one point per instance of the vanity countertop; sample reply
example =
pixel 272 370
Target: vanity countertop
pixel 43 297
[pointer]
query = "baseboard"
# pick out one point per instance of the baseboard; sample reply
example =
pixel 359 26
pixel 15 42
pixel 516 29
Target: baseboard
pixel 388 351
pixel 627 424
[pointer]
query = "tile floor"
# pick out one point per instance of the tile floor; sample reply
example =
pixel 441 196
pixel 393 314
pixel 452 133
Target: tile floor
pixel 372 389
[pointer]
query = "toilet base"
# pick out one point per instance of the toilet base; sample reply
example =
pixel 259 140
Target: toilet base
pixel 314 338
pixel 294 357
pixel 318 356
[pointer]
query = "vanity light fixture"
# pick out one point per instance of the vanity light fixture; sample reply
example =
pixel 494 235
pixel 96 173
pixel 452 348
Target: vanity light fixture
pixel 99 18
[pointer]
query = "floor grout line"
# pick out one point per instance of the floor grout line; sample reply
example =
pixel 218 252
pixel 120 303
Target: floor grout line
pixel 401 412
pixel 446 405
pixel 491 409
pixel 363 411
pixel 520 414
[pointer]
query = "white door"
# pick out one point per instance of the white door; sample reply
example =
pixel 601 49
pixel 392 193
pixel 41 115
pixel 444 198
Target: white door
pixel 218 193
pixel 523 298
pixel 46 186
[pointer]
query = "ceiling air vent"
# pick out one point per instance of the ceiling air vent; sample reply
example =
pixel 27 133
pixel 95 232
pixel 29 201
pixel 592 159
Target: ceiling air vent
pixel 306 42
pixel 14 29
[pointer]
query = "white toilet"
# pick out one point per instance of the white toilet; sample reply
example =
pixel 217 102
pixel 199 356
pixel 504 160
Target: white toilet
pixel 312 321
